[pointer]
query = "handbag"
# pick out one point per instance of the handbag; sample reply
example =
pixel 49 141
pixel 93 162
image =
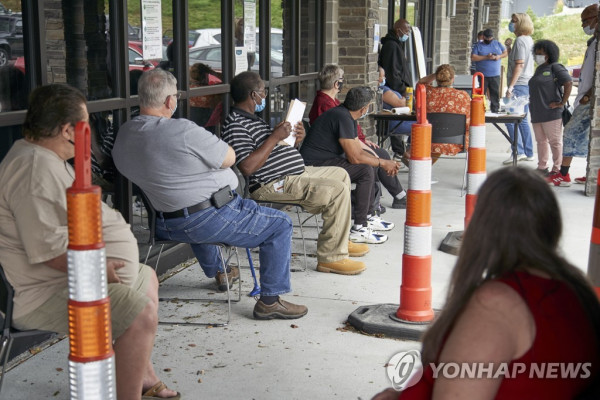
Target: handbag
pixel 566 113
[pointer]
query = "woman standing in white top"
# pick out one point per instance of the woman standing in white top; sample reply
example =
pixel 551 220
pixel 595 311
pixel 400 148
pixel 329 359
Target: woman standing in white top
pixel 520 69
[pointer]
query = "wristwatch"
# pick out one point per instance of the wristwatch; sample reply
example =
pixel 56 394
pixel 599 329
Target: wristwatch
pixel 586 98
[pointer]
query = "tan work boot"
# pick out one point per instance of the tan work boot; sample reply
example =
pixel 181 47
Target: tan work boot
pixel 357 249
pixel 343 267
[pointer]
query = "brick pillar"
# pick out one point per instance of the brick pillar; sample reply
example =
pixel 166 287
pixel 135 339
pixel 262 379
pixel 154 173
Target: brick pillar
pixel 55 42
pixel 460 36
pixel 593 160
pixel 356 20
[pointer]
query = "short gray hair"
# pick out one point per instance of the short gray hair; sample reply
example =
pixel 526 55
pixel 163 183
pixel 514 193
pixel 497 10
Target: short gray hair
pixel 329 75
pixel 358 97
pixel 154 86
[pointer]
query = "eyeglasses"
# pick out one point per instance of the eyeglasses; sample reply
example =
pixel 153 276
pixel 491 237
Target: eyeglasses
pixel 177 96
pixel 264 91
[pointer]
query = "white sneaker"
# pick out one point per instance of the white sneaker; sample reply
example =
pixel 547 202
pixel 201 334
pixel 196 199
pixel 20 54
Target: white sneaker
pixel 139 210
pixel 377 224
pixel 366 235
pixel 520 157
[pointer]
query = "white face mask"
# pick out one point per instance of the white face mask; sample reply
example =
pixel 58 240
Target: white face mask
pixel 589 30
pixel 540 59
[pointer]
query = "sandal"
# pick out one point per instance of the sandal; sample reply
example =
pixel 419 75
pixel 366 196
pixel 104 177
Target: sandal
pixel 152 393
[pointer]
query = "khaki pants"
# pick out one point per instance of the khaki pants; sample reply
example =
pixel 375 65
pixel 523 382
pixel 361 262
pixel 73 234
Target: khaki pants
pixel 319 190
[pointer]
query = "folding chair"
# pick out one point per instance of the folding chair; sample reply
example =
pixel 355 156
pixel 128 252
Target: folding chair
pixel 450 128
pixel 243 188
pixel 231 252
pixel 9 334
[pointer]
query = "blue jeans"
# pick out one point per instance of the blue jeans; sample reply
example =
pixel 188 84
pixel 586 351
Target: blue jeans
pixel 524 142
pixel 240 223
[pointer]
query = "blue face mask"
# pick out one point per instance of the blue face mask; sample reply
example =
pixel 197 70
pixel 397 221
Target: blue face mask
pixel 404 38
pixel 382 82
pixel 261 106
pixel 511 26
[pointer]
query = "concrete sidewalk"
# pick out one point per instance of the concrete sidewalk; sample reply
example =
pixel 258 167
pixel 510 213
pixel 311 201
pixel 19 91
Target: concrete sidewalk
pixel 316 356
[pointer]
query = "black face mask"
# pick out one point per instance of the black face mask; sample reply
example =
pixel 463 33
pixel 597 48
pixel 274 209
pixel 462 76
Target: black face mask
pixel 487 41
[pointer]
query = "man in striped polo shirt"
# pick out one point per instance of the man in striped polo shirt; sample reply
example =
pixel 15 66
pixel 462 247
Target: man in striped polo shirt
pixel 277 173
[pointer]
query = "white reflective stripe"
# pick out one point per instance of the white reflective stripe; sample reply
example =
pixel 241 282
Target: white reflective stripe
pixel 419 175
pixel 477 136
pixel 87 274
pixel 417 240
pixel 474 182
pixel 93 380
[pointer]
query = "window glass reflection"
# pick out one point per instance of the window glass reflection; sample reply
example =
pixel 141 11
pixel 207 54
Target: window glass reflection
pixel 13 85
pixel 205 65
pixel 308 36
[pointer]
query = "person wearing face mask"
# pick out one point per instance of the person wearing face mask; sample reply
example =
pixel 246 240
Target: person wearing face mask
pixel 276 173
pixel 332 141
pixel 520 70
pixel 185 172
pixel 392 57
pixel 487 55
pixel 576 133
pixel 326 99
pixel 549 90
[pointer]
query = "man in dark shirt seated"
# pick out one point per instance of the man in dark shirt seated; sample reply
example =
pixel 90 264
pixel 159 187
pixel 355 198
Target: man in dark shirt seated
pixel 277 173
pixel 333 141
pixel 185 172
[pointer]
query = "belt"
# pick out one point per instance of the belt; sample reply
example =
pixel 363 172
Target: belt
pixel 190 210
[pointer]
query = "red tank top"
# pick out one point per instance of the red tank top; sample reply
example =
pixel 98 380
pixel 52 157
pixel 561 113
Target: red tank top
pixel 564 335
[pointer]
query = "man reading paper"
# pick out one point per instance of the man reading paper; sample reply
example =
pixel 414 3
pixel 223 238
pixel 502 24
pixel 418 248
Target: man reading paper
pixel 277 173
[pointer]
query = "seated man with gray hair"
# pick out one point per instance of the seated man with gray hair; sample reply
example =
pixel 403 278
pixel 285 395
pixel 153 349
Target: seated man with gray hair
pixel 332 141
pixel 185 172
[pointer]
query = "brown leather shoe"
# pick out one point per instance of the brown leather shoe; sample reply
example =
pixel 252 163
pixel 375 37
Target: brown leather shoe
pixel 343 267
pixel 281 309
pixel 232 276
pixel 357 249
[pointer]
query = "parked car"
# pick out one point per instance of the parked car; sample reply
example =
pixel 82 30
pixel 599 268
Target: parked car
pixel 11 37
pixel 136 61
pixel 211 56
pixel 3 9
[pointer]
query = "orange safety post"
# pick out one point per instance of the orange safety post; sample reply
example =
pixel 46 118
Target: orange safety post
pixel 91 356
pixel 476 171
pixel 478 92
pixel 594 260
pixel 415 290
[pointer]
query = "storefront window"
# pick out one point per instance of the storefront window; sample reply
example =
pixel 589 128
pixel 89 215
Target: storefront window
pixel 13 85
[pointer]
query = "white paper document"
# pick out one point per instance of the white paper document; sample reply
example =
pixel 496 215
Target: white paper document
pixel 294 115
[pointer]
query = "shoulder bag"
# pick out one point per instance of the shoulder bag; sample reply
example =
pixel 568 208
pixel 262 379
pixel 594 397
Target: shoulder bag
pixel 566 113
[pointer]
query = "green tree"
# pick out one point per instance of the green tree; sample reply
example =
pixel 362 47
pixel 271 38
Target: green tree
pixel 537 25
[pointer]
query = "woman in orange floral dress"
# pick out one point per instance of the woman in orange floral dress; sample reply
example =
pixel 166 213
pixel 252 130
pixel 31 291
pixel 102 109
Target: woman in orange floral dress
pixel 444 98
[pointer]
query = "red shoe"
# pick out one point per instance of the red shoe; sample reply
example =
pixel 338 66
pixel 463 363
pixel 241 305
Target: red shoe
pixel 558 179
pixel 581 180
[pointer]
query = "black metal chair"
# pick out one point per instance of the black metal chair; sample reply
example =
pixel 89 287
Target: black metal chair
pixel 243 188
pixel 223 248
pixel 9 334
pixel 450 128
